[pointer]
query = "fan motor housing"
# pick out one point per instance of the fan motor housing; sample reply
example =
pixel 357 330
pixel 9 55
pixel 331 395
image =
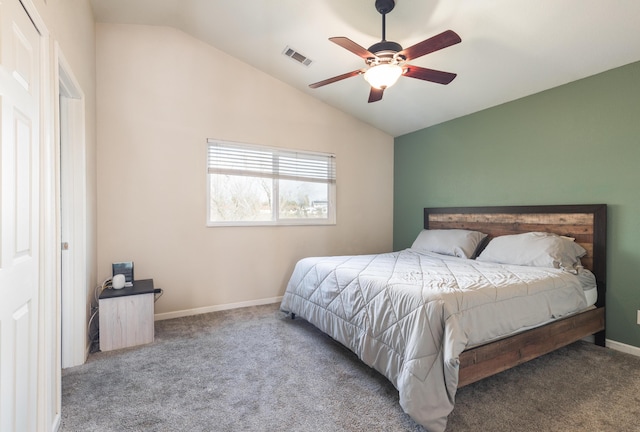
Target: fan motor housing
pixel 385 46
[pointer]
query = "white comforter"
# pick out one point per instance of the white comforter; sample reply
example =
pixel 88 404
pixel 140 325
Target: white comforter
pixel 409 315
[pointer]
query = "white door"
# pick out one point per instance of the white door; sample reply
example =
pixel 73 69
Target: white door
pixel 74 279
pixel 19 216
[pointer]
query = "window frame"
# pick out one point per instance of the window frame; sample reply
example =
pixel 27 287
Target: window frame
pixel 276 152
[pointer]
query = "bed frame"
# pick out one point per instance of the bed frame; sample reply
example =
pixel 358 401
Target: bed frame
pixel 587 224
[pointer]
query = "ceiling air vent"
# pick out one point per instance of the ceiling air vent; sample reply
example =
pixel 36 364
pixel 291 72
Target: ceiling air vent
pixel 295 55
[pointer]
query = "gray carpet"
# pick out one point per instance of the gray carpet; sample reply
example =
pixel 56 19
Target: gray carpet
pixel 253 369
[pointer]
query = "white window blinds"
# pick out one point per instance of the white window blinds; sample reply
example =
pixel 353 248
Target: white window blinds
pixel 243 159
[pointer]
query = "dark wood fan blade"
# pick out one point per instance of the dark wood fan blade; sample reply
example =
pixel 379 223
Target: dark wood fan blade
pixel 432 75
pixel 443 40
pixel 375 94
pixel 350 45
pixel 335 78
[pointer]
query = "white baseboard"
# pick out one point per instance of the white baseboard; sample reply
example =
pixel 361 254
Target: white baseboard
pixel 618 346
pixel 55 427
pixel 216 308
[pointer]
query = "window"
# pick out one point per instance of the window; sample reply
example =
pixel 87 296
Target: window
pixel 255 185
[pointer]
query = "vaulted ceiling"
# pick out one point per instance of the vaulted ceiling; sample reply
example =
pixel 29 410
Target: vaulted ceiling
pixel 509 49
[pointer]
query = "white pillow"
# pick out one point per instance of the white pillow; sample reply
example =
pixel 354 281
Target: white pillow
pixel 535 249
pixel 455 242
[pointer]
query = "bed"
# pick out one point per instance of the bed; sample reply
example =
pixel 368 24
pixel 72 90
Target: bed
pixel 432 322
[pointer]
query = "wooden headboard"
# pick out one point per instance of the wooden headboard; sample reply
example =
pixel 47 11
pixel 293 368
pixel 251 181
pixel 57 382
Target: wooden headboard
pixel 586 223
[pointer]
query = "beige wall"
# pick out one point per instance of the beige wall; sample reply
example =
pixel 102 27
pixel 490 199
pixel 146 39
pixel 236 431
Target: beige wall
pixel 161 94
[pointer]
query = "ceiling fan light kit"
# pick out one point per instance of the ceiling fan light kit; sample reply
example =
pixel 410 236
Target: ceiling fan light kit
pixel 386 60
pixel 383 76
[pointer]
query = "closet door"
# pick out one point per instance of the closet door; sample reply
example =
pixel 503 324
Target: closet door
pixel 19 216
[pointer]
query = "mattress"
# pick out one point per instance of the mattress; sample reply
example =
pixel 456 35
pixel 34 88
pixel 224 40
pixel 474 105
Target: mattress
pixel 591 296
pixel 409 315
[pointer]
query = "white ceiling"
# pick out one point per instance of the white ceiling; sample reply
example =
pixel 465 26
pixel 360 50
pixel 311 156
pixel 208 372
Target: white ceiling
pixel 509 49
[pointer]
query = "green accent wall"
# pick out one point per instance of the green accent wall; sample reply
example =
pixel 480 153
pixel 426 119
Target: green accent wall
pixel 575 144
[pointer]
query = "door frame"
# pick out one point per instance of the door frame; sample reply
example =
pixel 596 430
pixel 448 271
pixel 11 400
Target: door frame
pixel 48 379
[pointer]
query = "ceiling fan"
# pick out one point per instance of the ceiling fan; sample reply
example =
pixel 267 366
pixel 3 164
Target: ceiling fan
pixel 387 61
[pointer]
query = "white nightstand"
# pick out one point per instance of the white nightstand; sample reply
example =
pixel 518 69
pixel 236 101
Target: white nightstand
pixel 126 316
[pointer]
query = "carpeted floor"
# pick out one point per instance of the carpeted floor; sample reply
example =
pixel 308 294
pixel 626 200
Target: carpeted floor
pixel 253 369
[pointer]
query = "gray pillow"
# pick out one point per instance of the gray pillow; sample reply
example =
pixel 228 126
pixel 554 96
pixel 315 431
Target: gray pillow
pixel 456 242
pixel 537 249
